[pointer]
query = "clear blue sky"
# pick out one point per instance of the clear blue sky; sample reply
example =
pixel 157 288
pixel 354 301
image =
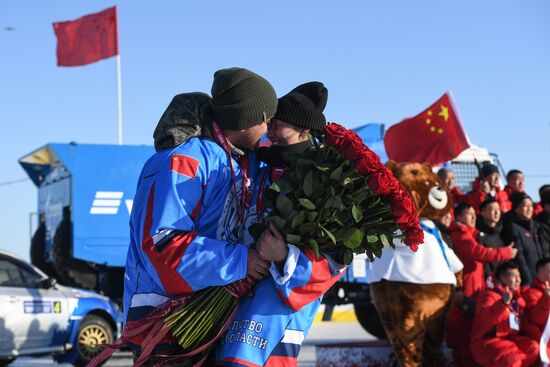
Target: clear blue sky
pixel 381 61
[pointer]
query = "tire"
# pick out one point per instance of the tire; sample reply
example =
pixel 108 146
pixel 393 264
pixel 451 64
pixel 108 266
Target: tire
pixel 368 318
pixel 38 249
pixel 93 330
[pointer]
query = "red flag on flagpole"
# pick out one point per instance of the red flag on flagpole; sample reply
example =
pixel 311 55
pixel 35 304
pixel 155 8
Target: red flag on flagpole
pixel 87 39
pixel 435 135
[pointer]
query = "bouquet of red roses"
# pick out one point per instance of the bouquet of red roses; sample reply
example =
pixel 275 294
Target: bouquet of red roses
pixel 341 197
pixel 380 180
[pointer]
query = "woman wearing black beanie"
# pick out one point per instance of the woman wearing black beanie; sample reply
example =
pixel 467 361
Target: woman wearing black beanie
pixel 298 119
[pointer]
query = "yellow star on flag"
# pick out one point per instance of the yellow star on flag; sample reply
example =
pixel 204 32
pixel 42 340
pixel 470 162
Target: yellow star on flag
pixel 444 112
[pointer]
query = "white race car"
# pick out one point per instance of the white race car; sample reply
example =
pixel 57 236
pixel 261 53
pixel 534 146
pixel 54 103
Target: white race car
pixel 40 317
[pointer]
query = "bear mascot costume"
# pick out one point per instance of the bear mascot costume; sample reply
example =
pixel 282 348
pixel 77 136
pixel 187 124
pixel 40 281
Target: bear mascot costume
pixel 413 291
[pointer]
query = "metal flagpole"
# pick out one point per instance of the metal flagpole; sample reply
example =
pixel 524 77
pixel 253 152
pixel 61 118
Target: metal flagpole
pixel 118 81
pixel 119 88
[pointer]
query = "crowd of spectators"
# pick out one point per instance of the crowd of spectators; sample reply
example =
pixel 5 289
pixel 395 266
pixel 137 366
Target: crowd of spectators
pixel 503 239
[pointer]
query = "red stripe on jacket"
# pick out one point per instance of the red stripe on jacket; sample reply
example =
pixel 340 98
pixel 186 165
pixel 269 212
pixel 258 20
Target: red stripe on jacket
pixel 166 261
pixel 280 361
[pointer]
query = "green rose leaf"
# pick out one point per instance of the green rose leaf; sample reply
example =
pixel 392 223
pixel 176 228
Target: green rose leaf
pixel 323 167
pixel 356 213
pixel 371 238
pixel 275 187
pixel 337 203
pixel 335 175
pixel 286 186
pixel 347 181
pixel 298 219
pixel 329 234
pixel 306 203
pixel 348 257
pixel 360 195
pixel 313 244
pixel 342 216
pixel 278 221
pixel 294 239
pixel 309 228
pixel 385 241
pixel 311 216
pixel 352 237
pixel 284 205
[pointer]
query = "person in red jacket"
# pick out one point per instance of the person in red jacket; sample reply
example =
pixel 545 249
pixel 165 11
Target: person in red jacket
pixel 537 299
pixel 487 184
pixel 473 255
pixel 497 339
pixel 448 177
pixel 515 182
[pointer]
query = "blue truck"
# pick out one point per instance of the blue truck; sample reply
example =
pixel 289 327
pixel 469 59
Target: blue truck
pixel 85 195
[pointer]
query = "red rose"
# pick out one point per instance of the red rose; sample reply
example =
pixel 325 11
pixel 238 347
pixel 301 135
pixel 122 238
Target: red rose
pixel 354 149
pixel 380 183
pixel 414 237
pixel 401 204
pixel 369 163
pixel 335 134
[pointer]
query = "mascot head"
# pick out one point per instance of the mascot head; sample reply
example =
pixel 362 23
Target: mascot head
pixel 430 195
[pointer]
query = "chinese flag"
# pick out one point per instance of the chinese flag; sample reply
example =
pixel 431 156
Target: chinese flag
pixel 87 39
pixel 434 136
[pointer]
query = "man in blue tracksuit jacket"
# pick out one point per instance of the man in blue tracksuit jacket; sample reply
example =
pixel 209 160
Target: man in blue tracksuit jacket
pixel 185 225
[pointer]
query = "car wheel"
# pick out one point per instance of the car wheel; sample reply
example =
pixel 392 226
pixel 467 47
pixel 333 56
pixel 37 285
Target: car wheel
pixel 92 332
pixel 6 361
pixel 368 318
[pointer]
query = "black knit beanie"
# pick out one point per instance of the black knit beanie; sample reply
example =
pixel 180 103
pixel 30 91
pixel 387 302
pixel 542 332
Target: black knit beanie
pixel 487 169
pixel 241 99
pixel 303 106
pixel 517 198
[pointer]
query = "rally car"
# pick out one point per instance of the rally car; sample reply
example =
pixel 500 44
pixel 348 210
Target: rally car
pixel 40 317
